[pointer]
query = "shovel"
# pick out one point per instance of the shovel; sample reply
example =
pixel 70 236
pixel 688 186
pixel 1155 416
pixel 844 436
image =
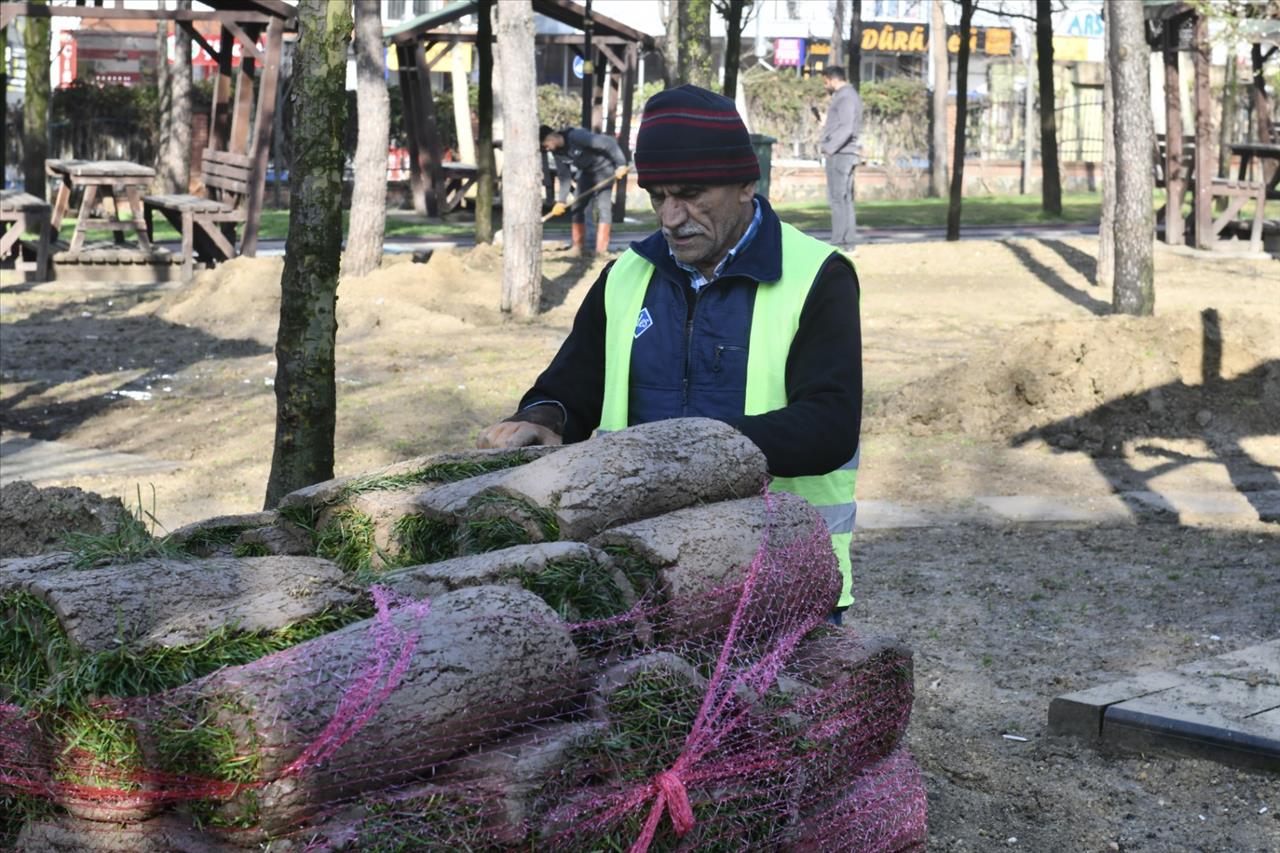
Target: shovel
pixel 572 203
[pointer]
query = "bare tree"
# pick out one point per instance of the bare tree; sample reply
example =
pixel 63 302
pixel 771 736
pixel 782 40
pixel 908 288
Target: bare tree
pixel 1051 176
pixel 1105 272
pixel 35 105
pixel 941 69
pixel 697 62
pixel 306 398
pixel 522 166
pixel 962 115
pixel 485 168
pixel 837 34
pixel 734 22
pixel 1134 228
pixel 373 126
pixel 855 46
pixel 173 163
pixel 669 45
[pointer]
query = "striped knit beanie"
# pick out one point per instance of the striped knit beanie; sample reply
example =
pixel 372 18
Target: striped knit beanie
pixel 692 136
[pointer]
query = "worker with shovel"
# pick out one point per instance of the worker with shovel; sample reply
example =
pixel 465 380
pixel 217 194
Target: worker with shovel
pixel 725 312
pixel 590 162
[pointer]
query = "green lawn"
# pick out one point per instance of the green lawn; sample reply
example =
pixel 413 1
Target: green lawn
pixel 916 213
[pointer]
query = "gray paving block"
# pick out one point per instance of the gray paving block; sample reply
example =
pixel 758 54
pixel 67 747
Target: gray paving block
pixel 1258 664
pixel 1153 723
pixel 1080 714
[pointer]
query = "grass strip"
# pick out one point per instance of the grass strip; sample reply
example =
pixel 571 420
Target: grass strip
pixel 498 521
pixel 439 472
pixel 577 590
pixel 431 821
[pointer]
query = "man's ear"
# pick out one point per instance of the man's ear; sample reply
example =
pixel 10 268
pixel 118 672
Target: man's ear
pixel 747 192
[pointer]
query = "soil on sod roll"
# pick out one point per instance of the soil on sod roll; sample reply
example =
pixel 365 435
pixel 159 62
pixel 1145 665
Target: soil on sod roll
pixel 487 659
pixel 36 521
pixel 634 473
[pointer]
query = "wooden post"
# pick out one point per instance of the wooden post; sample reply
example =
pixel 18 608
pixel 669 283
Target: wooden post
pixel 406 58
pixel 588 68
pixel 1174 180
pixel 219 120
pixel 628 96
pixel 1204 138
pixel 262 127
pixel 238 142
pixel 429 137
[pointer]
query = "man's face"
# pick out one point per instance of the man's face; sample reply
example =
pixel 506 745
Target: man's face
pixel 701 223
pixel 829 83
pixel 552 142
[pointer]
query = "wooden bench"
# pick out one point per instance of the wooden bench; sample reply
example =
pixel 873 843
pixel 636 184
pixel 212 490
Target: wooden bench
pixel 208 223
pixel 1238 192
pixel 24 213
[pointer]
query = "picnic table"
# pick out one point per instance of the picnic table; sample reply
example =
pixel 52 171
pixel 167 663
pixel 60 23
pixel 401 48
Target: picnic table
pixel 28 214
pixel 94 180
pixel 1268 153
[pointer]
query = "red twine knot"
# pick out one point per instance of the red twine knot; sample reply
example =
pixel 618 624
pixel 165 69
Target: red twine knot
pixel 671 787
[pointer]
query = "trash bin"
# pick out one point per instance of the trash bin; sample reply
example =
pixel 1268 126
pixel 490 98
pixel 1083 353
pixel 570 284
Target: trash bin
pixel 763 146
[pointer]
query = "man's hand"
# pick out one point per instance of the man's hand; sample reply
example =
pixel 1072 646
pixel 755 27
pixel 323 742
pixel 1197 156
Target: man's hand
pixel 558 209
pixel 621 172
pixel 517 434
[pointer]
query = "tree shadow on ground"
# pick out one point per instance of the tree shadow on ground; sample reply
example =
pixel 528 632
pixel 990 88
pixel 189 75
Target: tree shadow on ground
pixel 1082 262
pixel 1056 282
pixel 556 290
pixel 84 339
pixel 1219 412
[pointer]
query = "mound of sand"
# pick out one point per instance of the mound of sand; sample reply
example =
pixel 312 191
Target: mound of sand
pixel 33 521
pixel 1093 384
pixel 452 290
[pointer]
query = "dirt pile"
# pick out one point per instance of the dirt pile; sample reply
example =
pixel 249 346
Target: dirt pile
pixel 34 521
pixel 1094 384
pixel 446 290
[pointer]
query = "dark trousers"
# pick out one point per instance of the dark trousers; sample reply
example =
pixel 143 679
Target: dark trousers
pixel 601 200
pixel 844 222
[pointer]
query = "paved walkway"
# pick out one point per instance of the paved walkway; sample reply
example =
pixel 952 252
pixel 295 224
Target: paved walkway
pixel 870 236
pixel 23 458
pixel 1225 708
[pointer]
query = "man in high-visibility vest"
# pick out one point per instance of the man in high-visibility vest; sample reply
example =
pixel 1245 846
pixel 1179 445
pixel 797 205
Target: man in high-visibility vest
pixel 726 313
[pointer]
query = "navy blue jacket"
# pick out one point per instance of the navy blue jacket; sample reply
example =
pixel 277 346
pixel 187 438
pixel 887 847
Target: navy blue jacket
pixel 692 360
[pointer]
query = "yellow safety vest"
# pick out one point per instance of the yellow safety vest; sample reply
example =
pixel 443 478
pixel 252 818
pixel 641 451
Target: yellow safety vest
pixel 774 321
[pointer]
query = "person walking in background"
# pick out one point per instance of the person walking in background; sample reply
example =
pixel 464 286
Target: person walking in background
pixel 585 159
pixel 840 147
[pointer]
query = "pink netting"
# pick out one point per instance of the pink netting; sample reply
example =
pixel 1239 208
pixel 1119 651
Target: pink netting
pixel 735 719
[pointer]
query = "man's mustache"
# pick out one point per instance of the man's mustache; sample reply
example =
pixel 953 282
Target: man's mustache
pixel 684 231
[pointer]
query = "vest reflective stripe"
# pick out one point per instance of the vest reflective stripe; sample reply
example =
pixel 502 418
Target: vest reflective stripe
pixel 775 318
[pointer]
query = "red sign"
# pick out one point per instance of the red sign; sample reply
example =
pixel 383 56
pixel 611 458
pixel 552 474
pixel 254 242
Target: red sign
pixel 66 64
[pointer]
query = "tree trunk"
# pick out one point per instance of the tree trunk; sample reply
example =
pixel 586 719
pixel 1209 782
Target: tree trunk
pixel 35 106
pixel 1051 177
pixel 1227 126
pixel 164 103
pixel 669 46
pixel 1261 104
pixel 941 69
pixel 485 170
pixel 579 484
pixel 173 166
pixel 1134 291
pixel 305 394
pixel 732 47
pixel 962 113
pixel 373 123
pixel 522 164
pixel 855 46
pixel 836 56
pixel 697 62
pixel 1105 272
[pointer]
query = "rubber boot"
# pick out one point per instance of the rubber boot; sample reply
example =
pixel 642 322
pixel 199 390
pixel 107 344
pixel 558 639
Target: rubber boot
pixel 577 238
pixel 602 238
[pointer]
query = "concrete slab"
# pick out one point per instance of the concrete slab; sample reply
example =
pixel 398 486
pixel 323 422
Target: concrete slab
pixel 884 515
pixel 1080 714
pixel 1225 708
pixel 1101 509
pixel 23 458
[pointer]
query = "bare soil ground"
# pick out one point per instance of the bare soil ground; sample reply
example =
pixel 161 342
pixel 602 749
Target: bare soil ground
pixel 991 369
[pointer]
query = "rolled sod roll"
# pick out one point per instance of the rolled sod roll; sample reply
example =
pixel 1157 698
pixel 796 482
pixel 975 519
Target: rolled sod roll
pixel 881 808
pixel 635 473
pixel 168 603
pixel 480 662
pixel 166 833
pixel 699 556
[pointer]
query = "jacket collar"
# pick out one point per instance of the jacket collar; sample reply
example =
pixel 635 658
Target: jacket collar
pixel 760 260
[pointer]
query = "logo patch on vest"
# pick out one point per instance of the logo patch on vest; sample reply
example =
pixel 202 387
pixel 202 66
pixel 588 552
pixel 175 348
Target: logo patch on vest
pixel 644 322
